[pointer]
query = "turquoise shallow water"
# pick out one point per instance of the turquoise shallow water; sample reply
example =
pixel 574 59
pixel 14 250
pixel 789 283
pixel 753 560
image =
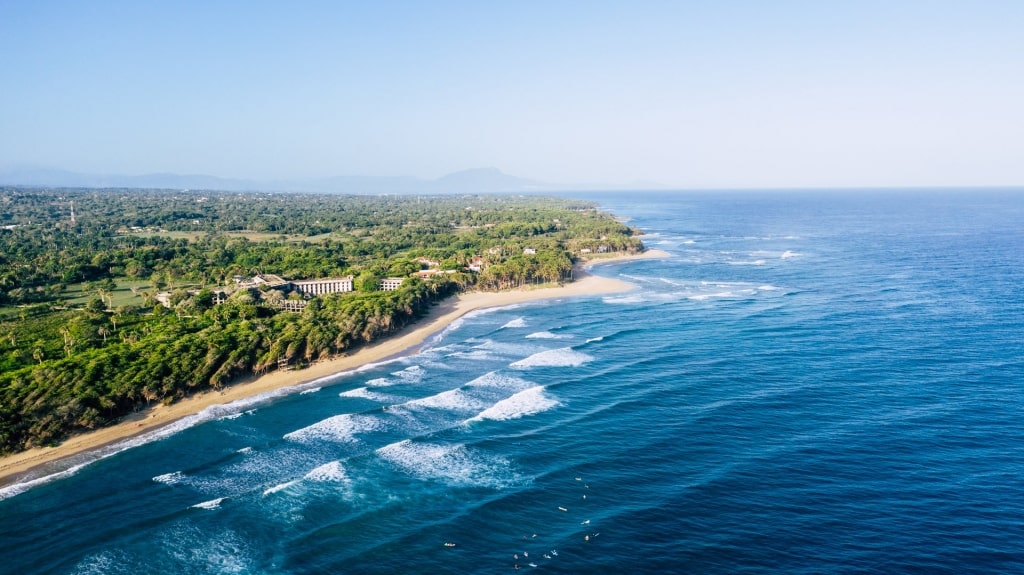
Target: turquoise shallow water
pixel 810 382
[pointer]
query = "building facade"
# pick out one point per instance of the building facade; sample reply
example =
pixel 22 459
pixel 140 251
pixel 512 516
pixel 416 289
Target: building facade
pixel 314 288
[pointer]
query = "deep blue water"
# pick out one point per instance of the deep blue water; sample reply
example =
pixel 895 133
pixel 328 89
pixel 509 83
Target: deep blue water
pixel 822 382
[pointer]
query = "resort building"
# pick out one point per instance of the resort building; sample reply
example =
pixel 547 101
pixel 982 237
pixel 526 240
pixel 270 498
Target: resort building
pixel 219 296
pixel 295 305
pixel 269 280
pixel 306 288
pixel 314 288
pixel 424 274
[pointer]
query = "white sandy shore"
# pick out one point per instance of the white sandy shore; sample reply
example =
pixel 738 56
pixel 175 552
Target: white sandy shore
pixel 19 465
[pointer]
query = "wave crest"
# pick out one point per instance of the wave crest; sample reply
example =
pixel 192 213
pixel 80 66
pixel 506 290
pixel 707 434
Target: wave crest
pixel 561 357
pixel 526 402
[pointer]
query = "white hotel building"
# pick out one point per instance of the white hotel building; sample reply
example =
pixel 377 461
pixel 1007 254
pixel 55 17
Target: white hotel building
pixel 323 286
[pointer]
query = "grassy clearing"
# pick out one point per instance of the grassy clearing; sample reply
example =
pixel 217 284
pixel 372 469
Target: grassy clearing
pixel 122 295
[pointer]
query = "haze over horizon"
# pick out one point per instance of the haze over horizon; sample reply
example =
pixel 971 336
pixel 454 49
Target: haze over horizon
pixel 685 94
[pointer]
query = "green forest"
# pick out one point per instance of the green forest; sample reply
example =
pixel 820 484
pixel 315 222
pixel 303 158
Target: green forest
pixel 85 341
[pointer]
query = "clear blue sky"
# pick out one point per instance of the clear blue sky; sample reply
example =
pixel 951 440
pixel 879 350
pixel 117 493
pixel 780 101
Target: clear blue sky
pixel 688 93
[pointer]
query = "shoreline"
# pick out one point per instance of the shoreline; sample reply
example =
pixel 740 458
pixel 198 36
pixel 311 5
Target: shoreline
pixel 24 466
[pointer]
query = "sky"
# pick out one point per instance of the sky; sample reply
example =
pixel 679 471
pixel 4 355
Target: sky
pixel 691 94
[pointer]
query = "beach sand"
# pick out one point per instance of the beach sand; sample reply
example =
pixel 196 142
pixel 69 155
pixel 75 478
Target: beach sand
pixel 21 465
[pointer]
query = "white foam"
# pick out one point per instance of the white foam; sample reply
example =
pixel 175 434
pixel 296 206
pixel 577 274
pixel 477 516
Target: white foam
pixel 454 325
pixel 413 373
pixel 332 476
pixel 562 357
pixel 637 279
pixel 506 348
pixel 255 472
pixel 210 505
pixel 595 339
pixel 104 563
pixel 527 402
pixel 451 464
pixel 357 392
pixel 279 487
pixel 547 335
pixel 440 350
pixel 195 549
pixel 342 428
pixel 459 322
pixel 707 296
pixel 789 254
pixel 19 488
pixel 244 450
pixel 170 478
pixel 768 288
pixel 494 379
pixel 629 299
pixel 476 354
pixel 518 322
pixel 332 472
pixel 310 390
pixel 746 263
pixel 364 393
pixel 453 400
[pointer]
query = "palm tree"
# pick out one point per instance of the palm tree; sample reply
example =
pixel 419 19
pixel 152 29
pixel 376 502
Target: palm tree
pixel 103 331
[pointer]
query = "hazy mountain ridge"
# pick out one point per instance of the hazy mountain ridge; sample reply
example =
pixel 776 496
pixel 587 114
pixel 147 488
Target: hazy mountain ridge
pixel 480 180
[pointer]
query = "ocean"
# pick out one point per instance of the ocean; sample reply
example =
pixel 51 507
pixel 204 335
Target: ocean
pixel 809 382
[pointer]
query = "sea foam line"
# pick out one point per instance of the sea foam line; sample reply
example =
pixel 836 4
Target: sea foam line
pixel 231 409
pixel 454 464
pixel 209 505
pixel 561 357
pixel 547 335
pixel 458 322
pixel 342 428
pixel 279 487
pixel 526 402
pixel 518 322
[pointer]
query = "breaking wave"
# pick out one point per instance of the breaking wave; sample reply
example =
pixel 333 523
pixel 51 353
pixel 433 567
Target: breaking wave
pixel 526 402
pixel 454 465
pixel 562 357
pixel 341 428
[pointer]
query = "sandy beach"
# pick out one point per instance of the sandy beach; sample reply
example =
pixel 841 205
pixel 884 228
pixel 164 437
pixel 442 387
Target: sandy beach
pixel 22 465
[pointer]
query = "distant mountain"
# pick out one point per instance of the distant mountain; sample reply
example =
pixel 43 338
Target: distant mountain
pixel 483 180
pixel 486 180
pixel 475 181
pixel 62 178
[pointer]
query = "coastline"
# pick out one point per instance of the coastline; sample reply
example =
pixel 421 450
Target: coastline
pixel 22 466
